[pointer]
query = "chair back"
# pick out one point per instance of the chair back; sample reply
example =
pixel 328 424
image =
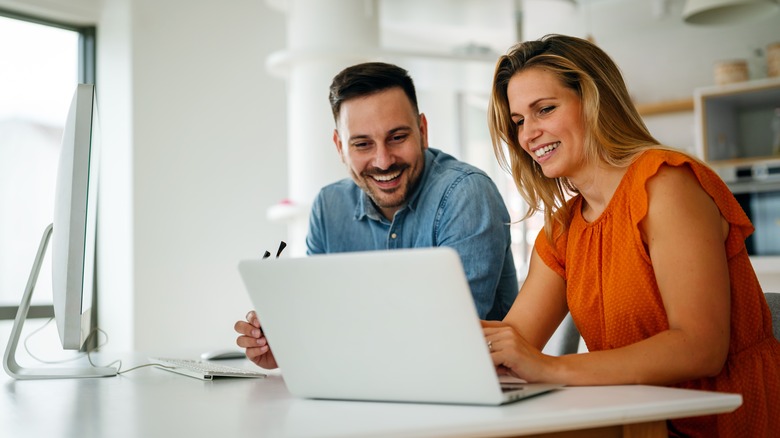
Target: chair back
pixel 565 340
pixel 773 299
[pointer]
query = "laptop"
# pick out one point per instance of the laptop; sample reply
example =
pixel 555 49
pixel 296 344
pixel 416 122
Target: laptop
pixel 396 325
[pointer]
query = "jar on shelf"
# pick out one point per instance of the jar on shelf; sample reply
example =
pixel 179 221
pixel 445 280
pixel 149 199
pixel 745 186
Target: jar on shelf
pixel 731 71
pixel 773 60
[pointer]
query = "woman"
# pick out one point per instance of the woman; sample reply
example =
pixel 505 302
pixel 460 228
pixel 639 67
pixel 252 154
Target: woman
pixel 644 246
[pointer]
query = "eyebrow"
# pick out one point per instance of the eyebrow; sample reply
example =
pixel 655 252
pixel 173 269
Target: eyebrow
pixel 395 130
pixel 534 103
pixel 399 129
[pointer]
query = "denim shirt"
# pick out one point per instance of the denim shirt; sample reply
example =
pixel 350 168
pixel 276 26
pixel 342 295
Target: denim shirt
pixel 455 204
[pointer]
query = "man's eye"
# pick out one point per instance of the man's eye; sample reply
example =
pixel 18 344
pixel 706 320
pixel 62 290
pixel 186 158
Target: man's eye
pixel 360 145
pixel 398 138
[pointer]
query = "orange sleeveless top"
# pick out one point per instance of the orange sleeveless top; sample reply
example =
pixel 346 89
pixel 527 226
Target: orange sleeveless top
pixel 614 299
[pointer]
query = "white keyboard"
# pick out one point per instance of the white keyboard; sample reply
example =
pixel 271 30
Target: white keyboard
pixel 203 370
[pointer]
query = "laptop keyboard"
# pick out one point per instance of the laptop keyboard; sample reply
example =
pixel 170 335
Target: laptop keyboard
pixel 203 370
pixel 509 383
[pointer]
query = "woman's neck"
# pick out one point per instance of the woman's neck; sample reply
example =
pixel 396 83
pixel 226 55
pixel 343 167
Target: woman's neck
pixel 597 187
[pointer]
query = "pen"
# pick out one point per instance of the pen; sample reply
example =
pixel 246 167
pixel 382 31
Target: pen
pixel 282 245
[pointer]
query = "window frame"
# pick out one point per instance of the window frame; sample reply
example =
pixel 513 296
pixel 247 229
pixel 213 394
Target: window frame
pixel 87 68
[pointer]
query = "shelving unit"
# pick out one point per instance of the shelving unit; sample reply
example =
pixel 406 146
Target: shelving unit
pixel 735 121
pixel 735 136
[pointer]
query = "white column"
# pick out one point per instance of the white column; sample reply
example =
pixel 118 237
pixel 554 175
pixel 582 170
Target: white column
pixel 323 37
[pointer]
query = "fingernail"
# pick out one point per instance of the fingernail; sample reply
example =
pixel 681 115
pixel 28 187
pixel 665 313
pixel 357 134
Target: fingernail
pixel 256 333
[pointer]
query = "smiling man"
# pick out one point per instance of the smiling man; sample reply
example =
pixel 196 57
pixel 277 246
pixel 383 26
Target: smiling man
pixel 403 194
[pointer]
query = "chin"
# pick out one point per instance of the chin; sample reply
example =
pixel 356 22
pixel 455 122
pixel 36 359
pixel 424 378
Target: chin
pixel 389 203
pixel 551 174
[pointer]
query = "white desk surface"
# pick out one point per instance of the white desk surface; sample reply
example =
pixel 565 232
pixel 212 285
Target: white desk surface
pixel 151 402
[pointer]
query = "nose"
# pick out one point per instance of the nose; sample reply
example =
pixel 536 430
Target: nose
pixel 529 132
pixel 384 157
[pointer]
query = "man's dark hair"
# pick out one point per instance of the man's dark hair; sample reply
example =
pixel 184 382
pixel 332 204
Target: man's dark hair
pixel 368 78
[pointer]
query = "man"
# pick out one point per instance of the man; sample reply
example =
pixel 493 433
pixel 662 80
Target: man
pixel 402 194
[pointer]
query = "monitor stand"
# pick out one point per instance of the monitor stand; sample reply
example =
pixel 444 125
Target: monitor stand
pixel 9 359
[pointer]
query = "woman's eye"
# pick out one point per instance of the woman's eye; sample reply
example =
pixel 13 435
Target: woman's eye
pixel 546 109
pixel 519 122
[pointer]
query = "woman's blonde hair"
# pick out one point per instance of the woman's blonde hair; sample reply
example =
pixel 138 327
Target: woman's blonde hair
pixel 614 132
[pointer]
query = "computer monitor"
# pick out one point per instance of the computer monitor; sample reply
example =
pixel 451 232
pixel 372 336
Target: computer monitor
pixel 72 234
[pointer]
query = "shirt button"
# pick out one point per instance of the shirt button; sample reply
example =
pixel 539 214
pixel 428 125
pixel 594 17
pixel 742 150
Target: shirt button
pixel 393 236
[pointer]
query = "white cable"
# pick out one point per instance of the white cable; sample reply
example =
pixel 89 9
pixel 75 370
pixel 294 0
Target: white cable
pixel 95 331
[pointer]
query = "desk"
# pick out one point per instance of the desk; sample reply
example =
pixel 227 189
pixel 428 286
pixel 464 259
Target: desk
pixel 151 402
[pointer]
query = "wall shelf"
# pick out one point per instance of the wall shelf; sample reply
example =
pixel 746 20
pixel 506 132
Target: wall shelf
pixel 665 107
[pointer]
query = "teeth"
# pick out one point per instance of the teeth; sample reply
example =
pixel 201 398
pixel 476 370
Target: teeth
pixel 542 151
pixel 385 178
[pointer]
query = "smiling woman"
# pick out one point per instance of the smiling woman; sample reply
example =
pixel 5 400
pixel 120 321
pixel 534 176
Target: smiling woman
pixel 34 99
pixel 647 254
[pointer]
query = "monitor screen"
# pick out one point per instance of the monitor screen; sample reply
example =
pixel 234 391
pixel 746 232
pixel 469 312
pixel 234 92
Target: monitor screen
pixel 72 233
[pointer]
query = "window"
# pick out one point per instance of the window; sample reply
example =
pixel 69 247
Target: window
pixel 42 63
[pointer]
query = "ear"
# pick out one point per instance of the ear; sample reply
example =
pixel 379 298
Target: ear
pixel 337 142
pixel 424 130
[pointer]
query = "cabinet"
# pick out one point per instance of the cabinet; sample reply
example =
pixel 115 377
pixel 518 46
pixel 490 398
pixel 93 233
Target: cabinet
pixel 736 122
pixel 736 134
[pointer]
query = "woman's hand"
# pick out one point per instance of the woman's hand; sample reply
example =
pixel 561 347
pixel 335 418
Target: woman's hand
pixel 253 340
pixel 513 355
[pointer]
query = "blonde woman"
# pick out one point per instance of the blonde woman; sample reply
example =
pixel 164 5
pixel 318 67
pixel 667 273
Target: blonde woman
pixel 644 245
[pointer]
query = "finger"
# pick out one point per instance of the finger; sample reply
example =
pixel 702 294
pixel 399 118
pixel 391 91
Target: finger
pixel 486 324
pixel 249 343
pixel 254 337
pixel 504 371
pixel 256 354
pixel 251 317
pixel 244 328
pixel 246 342
pixel 257 333
pixel 492 331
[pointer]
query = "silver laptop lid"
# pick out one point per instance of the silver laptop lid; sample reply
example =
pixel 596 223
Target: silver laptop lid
pixel 383 325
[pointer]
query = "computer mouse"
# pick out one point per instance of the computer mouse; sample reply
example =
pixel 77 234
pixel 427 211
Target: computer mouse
pixel 229 353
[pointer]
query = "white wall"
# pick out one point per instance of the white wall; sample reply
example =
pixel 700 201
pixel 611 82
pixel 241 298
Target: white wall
pixel 114 89
pixel 194 155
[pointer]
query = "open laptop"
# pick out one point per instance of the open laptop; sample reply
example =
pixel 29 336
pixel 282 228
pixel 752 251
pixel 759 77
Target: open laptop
pixel 395 325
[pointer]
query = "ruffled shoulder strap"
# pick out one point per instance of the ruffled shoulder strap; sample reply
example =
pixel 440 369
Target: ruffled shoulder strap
pixel 648 164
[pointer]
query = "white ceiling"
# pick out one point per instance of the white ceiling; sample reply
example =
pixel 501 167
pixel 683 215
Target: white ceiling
pixel 448 25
